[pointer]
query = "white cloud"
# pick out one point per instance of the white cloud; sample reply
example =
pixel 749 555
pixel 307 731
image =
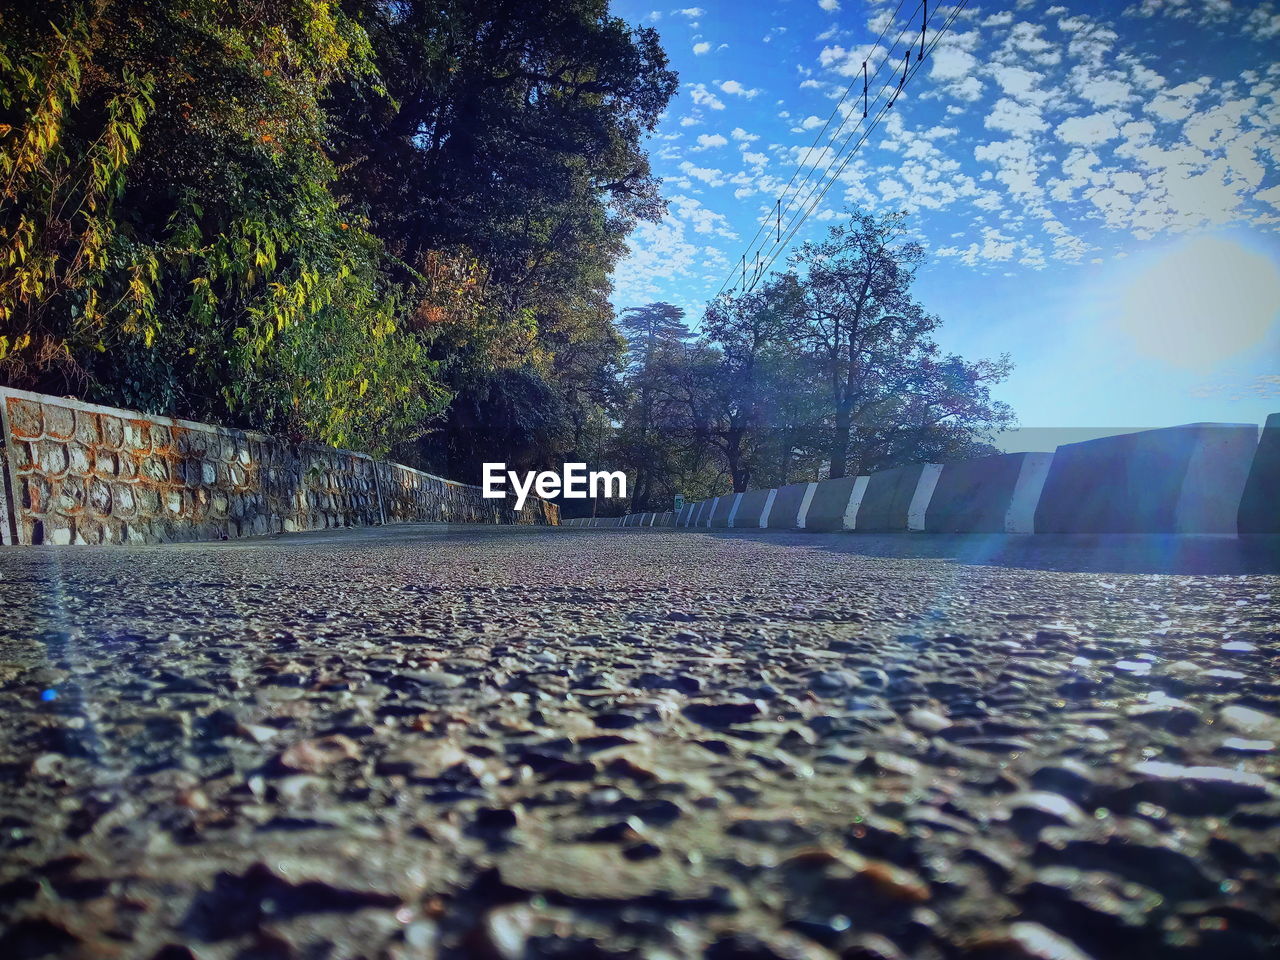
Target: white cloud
pixel 704 97
pixel 1019 119
pixel 700 218
pixel 700 48
pixel 708 140
pixel 831 6
pixel 709 176
pixel 693 13
pixel 1088 131
pixel 742 136
pixel 737 89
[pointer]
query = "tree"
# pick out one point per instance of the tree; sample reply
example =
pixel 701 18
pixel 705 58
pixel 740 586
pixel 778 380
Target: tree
pixel 893 396
pixel 753 334
pixel 510 134
pixel 656 337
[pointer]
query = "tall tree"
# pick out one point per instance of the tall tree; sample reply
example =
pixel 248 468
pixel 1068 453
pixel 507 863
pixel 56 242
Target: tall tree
pixel 508 133
pixel 656 340
pixel 753 334
pixel 892 393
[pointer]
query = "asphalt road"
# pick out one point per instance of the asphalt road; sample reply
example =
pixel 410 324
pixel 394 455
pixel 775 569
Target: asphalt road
pixel 508 742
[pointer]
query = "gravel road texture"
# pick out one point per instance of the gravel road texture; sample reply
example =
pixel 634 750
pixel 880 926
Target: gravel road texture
pixel 431 741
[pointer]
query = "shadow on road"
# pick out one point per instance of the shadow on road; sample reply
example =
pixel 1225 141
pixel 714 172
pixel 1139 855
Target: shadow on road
pixel 1221 556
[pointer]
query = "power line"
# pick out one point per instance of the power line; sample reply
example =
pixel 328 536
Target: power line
pixel 831 116
pixel 793 225
pixel 867 79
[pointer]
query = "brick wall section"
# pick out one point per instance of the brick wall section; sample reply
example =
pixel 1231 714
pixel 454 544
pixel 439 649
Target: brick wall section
pixel 81 473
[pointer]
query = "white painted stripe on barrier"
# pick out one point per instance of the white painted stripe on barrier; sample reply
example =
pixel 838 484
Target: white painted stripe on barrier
pixel 710 512
pixel 1213 485
pixel 768 505
pixel 733 511
pixel 1021 515
pixel 859 491
pixel 803 512
pixel 929 474
pixel 652 517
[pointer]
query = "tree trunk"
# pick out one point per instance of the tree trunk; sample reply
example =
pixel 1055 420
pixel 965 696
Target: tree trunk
pixel 733 455
pixel 840 444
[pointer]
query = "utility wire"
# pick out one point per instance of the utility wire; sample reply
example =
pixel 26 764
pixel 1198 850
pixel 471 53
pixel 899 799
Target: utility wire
pixel 805 207
pixel 809 150
pixel 777 248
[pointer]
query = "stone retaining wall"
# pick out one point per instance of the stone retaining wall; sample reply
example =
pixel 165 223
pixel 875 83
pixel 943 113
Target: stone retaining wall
pixel 80 473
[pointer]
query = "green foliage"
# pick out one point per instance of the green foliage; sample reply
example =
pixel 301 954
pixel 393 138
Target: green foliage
pixel 169 233
pixel 507 134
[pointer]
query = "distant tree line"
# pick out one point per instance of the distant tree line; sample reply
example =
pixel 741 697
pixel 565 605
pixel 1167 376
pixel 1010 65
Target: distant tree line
pixel 826 370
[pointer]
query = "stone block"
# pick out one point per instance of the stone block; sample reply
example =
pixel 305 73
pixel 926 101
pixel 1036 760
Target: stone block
pixel 978 496
pixel 834 505
pixel 51 457
pixel 1259 510
pixel 105 463
pixel 99 497
pixel 87 428
pixel 112 431
pixel 71 495
pixel 137 435
pixel 787 504
pixel 59 421
pixel 1184 479
pixel 55 529
pixel 25 418
pixel 79 458
pixel 87 531
pixel 122 499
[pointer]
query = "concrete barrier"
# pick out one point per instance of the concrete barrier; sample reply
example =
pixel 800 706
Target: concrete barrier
pixel 789 504
pixel 1184 479
pixel 995 494
pixel 733 509
pixel 666 519
pixel 705 519
pixel 897 500
pixel 835 503
pixel 1260 502
pixel 753 509
pixel 722 510
pixel 699 518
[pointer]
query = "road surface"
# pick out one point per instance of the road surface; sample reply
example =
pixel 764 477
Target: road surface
pixel 505 742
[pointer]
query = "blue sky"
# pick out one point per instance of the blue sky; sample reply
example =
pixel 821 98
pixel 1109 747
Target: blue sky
pixel 1097 183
